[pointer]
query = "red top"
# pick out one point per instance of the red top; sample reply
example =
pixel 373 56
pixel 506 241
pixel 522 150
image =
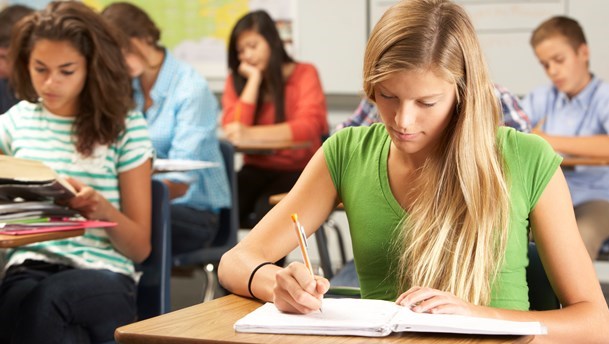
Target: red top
pixel 305 112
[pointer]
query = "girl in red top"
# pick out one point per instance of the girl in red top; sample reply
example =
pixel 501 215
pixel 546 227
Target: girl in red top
pixel 269 97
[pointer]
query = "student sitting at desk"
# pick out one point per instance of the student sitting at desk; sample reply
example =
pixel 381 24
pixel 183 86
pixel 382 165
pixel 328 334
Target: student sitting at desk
pixel 513 115
pixel 76 118
pixel 182 116
pixel 454 194
pixel 572 114
pixel 269 97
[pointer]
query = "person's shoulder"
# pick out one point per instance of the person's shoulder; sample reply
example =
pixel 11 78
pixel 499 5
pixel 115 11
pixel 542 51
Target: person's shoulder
pixel 184 74
pixel 542 91
pixel 134 116
pixel 511 135
pixel 514 142
pixel 535 102
pixel 361 144
pixel 304 68
pixel 598 98
pixel 24 113
pixel 25 107
pixel 305 65
pixel 360 133
pixel 603 89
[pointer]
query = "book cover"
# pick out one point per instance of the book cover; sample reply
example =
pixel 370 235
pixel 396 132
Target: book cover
pixel 31 180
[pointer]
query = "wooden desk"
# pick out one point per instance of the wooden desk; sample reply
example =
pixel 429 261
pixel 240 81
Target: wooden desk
pixel 212 322
pixel 570 161
pixel 268 147
pixel 20 240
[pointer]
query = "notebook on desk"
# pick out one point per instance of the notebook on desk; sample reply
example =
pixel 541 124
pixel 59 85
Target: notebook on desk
pixel 375 318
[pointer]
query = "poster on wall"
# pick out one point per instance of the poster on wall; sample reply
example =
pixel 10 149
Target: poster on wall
pixel 197 31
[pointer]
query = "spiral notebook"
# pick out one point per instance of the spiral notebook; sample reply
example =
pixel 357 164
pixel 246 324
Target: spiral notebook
pixel 375 318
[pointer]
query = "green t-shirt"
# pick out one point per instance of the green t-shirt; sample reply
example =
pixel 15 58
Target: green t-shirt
pixel 357 160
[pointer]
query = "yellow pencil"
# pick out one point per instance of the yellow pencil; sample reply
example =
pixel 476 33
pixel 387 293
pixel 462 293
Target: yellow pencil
pixel 302 242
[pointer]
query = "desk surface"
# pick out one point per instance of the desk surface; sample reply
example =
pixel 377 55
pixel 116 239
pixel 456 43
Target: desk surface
pixel 574 161
pixel 212 322
pixel 20 240
pixel 267 147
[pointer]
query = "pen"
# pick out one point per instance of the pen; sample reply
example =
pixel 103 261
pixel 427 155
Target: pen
pixel 302 242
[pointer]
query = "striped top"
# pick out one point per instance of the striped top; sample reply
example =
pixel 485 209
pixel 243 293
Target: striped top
pixel 31 132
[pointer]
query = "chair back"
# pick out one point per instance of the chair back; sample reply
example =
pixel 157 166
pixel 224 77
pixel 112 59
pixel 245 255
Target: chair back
pixel 153 288
pixel 541 294
pixel 228 220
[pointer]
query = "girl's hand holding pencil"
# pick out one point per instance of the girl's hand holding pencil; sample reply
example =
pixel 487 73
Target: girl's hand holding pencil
pixel 297 289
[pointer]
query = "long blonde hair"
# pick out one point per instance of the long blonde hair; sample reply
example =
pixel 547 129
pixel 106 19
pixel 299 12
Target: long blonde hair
pixel 455 233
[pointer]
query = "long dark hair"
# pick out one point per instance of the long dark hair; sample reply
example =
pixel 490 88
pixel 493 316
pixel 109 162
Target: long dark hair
pixel 106 96
pixel 272 78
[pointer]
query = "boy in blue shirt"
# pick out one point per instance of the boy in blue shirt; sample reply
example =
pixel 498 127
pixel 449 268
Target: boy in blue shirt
pixel 572 114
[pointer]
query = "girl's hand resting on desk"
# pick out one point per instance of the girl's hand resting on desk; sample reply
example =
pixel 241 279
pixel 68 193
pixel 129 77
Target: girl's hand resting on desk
pixel 429 300
pixel 88 202
pixel 296 291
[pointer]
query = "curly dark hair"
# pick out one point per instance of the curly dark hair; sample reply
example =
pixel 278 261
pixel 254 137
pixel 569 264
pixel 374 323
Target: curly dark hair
pixel 106 96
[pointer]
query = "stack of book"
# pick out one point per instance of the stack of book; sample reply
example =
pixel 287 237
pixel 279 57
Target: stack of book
pixel 28 191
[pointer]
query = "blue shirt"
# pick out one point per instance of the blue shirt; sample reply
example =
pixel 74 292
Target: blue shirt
pixel 182 124
pixel 586 114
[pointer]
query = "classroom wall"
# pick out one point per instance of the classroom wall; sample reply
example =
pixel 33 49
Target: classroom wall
pixel 332 35
pixel 335 43
pixel 504 28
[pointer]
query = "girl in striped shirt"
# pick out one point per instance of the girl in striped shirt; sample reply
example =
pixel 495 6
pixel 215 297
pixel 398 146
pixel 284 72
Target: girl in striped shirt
pixel 69 71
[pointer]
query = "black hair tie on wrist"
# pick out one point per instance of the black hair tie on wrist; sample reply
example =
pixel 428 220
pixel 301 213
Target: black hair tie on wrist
pixel 249 283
